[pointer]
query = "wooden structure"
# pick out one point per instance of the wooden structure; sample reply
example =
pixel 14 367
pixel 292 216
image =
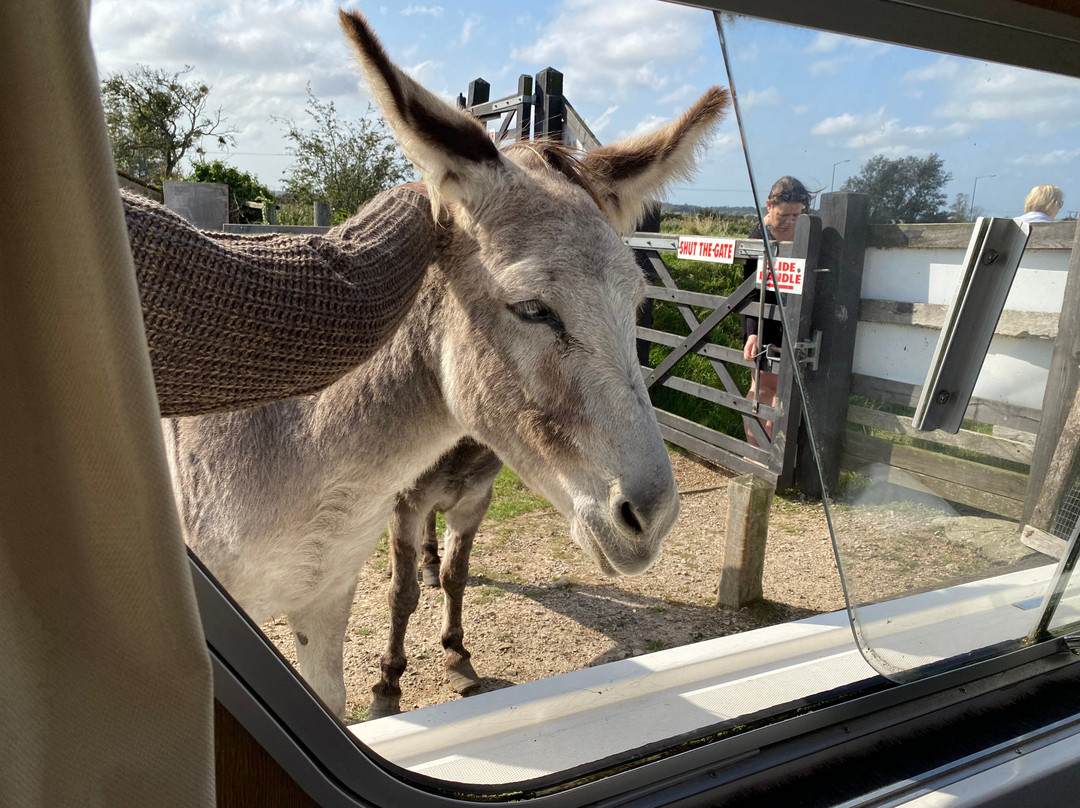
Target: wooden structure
pixel 749 501
pixel 772 459
pixel 538 110
pixel 984 466
pixel 1054 461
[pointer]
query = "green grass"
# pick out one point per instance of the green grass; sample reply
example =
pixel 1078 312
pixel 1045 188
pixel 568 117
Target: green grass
pixel 715 279
pixel 487 593
pixel 511 497
pixel 707 278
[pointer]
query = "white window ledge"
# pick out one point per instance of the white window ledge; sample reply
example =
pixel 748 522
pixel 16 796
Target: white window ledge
pixel 543 727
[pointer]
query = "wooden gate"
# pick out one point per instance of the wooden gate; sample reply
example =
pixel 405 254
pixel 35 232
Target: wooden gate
pixel 539 106
pixel 773 458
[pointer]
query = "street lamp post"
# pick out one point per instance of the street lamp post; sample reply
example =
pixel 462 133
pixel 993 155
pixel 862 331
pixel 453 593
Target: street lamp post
pixel 832 182
pixel 971 213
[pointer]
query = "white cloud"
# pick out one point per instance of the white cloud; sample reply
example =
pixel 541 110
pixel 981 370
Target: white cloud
pixel 946 67
pixel 878 132
pixel 769 97
pixel 828 67
pixel 467 29
pixel 650 123
pixel 433 11
pixel 426 72
pixel 1057 157
pixel 606 55
pixel 825 43
pixel 683 95
pixel 981 91
pixel 601 122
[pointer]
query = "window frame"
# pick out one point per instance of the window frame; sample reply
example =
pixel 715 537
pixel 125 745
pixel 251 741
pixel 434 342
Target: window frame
pixel 260 689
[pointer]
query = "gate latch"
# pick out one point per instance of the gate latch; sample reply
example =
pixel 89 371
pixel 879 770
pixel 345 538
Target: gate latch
pixel 806 353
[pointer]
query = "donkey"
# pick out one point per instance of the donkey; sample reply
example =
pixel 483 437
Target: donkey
pixel 521 336
pixel 459 485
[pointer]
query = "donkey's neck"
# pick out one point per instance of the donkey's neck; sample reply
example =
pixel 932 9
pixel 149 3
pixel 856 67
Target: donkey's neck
pixel 395 414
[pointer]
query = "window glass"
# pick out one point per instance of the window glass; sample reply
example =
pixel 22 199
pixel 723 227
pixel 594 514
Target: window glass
pixel 931 543
pixel 947 540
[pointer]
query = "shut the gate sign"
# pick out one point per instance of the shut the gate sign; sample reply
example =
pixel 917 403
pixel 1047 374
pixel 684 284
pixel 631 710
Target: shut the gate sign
pixel 789 271
pixel 703 248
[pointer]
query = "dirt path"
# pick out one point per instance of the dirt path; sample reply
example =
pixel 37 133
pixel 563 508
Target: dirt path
pixel 536 606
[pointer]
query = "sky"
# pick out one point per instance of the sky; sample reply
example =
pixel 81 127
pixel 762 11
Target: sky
pixel 814 105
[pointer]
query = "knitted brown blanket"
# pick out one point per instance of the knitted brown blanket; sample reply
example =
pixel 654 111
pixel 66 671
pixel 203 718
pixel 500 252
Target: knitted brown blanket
pixel 235 321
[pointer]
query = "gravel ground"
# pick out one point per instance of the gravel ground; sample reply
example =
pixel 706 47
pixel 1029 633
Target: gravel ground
pixel 536 605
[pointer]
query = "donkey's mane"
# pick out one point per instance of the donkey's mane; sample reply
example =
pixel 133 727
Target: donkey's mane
pixel 561 158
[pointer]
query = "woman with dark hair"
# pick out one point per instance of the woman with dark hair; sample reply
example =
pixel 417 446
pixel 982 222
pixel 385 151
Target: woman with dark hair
pixel 788 199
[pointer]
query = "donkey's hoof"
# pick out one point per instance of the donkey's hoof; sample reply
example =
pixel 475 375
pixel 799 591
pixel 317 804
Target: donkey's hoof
pixel 383 708
pixel 431 577
pixel 463 677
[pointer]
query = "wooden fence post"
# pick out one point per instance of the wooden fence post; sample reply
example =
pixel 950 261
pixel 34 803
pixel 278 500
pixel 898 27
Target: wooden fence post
pixel 749 501
pixel 1055 447
pixel 321 214
pixel 788 419
pixel 479 92
pixel 844 228
pixel 548 94
pixel 269 213
pixel 523 130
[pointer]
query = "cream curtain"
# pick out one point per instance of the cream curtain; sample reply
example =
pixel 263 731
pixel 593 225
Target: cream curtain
pixel 105 683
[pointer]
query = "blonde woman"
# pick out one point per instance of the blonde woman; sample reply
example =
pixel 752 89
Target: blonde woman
pixel 1043 203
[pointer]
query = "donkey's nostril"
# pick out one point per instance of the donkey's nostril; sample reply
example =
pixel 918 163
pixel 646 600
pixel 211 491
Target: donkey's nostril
pixel 626 511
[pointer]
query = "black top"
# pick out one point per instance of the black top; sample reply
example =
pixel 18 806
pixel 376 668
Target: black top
pixel 773 331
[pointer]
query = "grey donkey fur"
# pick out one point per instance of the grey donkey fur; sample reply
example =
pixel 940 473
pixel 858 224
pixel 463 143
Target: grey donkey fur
pixel 522 337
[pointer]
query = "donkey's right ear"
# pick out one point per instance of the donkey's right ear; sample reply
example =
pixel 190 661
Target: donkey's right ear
pixel 450 147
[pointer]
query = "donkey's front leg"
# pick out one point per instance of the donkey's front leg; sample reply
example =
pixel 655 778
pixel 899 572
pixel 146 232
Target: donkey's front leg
pixel 405 527
pixel 462 522
pixel 319 631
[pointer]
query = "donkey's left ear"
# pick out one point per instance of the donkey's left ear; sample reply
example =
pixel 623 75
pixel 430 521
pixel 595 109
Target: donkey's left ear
pixel 450 147
pixel 629 173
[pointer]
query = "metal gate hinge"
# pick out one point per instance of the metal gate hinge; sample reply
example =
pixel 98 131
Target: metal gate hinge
pixel 808 352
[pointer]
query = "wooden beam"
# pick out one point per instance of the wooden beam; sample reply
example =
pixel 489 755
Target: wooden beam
pixel 1043 542
pixel 749 501
pixel 906 394
pixel 1044 236
pixel 990 445
pixel 1018 324
pixel 950 478
pixel 1056 446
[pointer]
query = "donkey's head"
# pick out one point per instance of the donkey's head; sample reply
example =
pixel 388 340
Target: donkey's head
pixel 539 358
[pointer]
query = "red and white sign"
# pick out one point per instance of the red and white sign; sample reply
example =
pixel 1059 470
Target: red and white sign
pixel 788 273
pixel 702 248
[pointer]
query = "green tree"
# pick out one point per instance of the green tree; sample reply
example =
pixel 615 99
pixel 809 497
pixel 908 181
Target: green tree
pixel 343 162
pixel 243 188
pixel 155 118
pixel 909 189
pixel 960 210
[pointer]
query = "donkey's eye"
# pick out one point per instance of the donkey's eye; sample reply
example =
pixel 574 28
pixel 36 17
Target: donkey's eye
pixel 533 311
